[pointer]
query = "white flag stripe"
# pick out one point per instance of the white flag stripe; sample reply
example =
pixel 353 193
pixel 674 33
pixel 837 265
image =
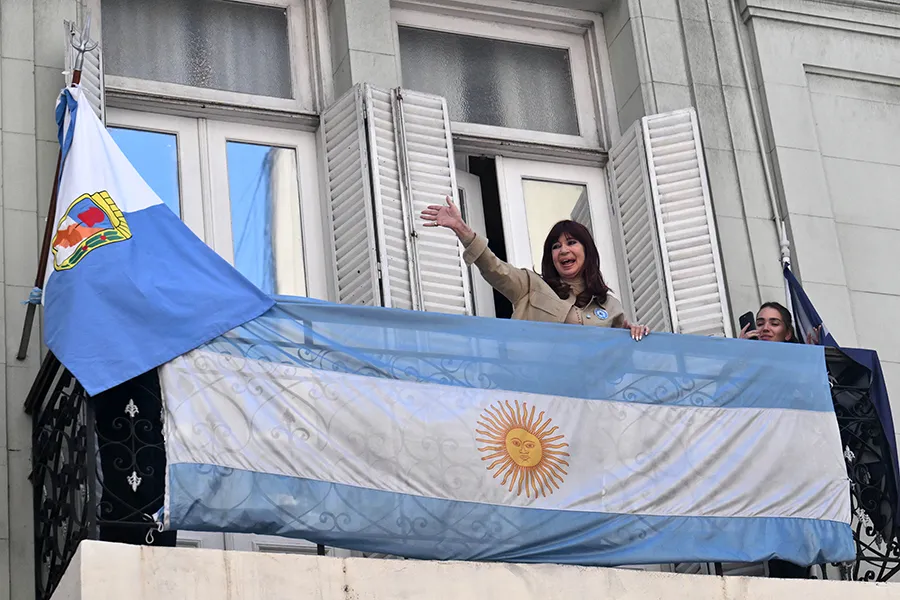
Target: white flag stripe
pixel 423 439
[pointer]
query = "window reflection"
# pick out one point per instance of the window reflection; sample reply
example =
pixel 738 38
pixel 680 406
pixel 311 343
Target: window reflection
pixel 155 157
pixel 265 217
pixel 546 203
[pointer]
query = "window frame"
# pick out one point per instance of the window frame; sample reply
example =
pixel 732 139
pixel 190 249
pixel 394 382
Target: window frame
pixel 203 182
pixel 510 173
pixel 304 144
pixel 566 33
pixel 186 132
pixel 307 50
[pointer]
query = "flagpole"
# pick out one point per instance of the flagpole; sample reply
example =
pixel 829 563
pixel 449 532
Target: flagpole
pixel 83 46
pixel 786 264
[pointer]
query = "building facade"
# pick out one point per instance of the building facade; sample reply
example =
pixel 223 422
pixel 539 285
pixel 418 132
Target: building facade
pixel 231 110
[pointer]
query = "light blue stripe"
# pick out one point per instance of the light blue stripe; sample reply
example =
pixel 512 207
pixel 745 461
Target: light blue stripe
pixel 133 305
pixel 564 360
pixel 209 498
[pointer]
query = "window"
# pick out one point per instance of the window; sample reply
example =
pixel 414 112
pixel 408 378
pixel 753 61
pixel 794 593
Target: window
pixel 246 53
pixel 492 82
pixel 253 201
pixel 517 202
pixel 165 150
pixel 265 195
pixel 519 86
pixel 490 71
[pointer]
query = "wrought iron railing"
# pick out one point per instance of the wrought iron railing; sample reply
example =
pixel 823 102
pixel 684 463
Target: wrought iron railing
pixel 868 454
pixel 98 469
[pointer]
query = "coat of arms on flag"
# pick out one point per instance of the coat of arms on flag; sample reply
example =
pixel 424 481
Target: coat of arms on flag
pixel 91 221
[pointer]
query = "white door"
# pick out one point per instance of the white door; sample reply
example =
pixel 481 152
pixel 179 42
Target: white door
pixel 536 195
pixel 472 209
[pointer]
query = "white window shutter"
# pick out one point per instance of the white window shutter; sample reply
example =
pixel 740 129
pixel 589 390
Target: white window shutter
pixel 666 222
pixel 684 217
pixel 91 71
pixel 351 221
pixel 397 159
pixel 391 223
pixel 438 271
pixel 646 292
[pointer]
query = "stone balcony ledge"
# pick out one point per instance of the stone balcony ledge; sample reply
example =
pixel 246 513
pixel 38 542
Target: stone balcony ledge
pixel 106 571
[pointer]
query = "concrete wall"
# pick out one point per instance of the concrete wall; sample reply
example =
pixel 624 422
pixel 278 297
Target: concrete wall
pixel 31 62
pixel 671 54
pixel 830 89
pixel 362 44
pixel 111 572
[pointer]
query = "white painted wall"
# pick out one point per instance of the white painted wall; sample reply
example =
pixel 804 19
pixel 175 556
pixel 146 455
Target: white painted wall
pixel 31 64
pixel 830 88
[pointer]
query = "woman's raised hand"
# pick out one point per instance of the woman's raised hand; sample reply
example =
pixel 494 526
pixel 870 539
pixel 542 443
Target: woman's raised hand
pixel 448 216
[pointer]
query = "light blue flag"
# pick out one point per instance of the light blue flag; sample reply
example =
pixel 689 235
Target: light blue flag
pixel 444 437
pixel 128 285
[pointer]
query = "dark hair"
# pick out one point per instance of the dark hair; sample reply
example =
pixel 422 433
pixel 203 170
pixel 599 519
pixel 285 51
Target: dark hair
pixel 594 286
pixel 786 318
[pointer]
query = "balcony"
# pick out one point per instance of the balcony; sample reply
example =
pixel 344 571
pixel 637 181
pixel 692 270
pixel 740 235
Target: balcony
pixel 98 466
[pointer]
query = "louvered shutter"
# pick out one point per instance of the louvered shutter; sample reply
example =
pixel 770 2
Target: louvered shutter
pixel 91 71
pixel 391 224
pixel 397 159
pixel 646 292
pixel 666 222
pixel 351 222
pixel 437 267
pixel 684 217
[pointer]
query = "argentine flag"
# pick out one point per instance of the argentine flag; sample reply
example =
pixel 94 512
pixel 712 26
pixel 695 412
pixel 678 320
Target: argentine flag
pixel 128 286
pixel 447 437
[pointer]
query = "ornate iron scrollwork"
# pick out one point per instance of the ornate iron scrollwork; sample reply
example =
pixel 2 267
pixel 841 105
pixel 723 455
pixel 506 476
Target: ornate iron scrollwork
pixel 873 490
pixel 62 475
pixel 90 475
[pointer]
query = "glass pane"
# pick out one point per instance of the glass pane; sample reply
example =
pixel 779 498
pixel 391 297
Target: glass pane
pixel 230 46
pixel 492 82
pixel 155 156
pixel 548 202
pixel 265 216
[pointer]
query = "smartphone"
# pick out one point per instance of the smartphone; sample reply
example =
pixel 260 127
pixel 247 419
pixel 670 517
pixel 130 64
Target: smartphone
pixel 748 318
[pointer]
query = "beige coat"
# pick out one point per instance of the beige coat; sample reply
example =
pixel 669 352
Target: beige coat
pixel 532 298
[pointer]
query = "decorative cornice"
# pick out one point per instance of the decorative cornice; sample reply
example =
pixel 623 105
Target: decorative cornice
pixel 874 17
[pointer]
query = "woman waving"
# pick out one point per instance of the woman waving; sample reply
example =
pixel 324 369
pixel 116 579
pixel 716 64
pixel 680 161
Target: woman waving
pixel 570 288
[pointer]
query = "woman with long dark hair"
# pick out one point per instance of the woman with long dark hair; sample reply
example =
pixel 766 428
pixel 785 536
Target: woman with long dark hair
pixel 570 288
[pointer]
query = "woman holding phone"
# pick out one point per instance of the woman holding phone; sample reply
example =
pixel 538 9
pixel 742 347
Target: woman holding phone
pixel 773 324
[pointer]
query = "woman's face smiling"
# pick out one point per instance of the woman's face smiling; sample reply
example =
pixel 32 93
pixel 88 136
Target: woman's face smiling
pixel 568 257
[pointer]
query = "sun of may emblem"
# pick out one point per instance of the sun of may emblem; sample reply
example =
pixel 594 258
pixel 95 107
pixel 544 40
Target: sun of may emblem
pixel 523 448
